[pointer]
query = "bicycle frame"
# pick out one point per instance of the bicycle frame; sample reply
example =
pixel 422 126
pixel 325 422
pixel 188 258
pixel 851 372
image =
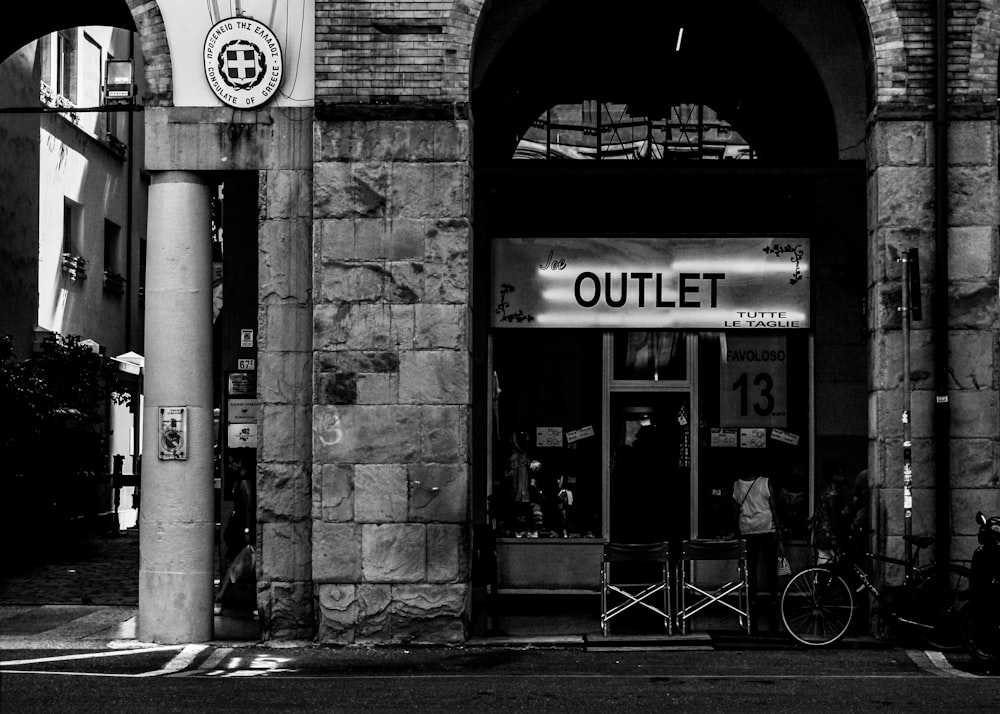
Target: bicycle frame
pixel 846 564
pixel 818 609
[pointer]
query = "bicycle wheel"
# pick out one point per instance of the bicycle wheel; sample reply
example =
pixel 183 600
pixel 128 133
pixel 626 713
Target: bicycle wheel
pixel 980 635
pixel 817 607
pixel 938 598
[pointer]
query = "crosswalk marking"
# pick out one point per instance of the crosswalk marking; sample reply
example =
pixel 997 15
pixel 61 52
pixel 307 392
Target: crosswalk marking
pixel 179 661
pixel 89 655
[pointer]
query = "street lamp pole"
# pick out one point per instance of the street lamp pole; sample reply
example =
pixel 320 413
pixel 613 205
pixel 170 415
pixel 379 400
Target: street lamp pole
pixel 904 310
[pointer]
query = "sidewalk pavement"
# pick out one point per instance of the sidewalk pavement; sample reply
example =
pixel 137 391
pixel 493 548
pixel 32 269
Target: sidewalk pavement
pixel 98 627
pixel 87 598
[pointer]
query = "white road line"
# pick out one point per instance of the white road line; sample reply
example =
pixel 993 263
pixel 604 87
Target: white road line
pixel 180 661
pixel 66 674
pixel 942 663
pixel 209 663
pixel 88 655
pixel 216 657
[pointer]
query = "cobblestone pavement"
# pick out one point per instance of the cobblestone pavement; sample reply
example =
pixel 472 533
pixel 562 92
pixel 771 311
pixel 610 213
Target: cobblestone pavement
pixel 98 569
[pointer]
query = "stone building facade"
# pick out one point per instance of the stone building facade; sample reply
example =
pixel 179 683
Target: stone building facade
pixel 372 319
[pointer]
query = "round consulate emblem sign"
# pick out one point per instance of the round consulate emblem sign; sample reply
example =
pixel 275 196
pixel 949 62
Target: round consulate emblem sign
pixel 243 62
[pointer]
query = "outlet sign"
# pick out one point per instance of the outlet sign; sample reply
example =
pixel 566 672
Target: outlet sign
pixel 728 283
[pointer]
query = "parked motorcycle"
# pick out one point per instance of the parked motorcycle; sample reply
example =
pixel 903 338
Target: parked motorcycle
pixel 981 620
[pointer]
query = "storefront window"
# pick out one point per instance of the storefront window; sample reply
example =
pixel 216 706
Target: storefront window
pixel 753 394
pixel 608 131
pixel 547 478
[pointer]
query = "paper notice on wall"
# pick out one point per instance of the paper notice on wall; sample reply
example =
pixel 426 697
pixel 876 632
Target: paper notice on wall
pixel 724 438
pixel 785 437
pixel 173 433
pixel 550 436
pixel 753 438
pixel 577 434
pixel 241 436
pixel 241 411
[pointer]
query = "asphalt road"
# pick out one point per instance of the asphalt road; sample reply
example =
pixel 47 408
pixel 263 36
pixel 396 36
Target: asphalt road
pixel 211 678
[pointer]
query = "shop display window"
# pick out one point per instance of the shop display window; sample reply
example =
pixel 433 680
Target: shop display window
pixel 546 423
pixel 753 392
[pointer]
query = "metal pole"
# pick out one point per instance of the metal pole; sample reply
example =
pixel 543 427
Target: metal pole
pixel 548 133
pixel 904 310
pixel 598 126
pixel 131 290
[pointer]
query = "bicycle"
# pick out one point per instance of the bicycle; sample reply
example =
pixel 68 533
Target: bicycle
pixel 817 605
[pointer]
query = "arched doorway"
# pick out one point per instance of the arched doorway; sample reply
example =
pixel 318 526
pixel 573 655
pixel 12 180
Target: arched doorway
pixel 619 148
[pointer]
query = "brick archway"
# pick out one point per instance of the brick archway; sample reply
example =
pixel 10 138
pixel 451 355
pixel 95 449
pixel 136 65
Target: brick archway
pixel 985 54
pixel 155 52
pixel 37 20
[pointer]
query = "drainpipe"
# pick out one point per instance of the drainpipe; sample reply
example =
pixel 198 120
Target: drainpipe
pixel 942 409
pixel 131 291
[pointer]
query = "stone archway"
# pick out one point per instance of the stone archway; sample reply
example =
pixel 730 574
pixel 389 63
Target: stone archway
pixel 547 56
pixel 155 51
pixel 33 21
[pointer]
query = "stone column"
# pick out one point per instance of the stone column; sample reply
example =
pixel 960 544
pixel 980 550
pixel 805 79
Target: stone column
pixel 902 209
pixel 901 216
pixel 175 518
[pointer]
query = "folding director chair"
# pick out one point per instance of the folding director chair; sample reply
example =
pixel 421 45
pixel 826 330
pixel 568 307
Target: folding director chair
pixel 704 595
pixel 653 593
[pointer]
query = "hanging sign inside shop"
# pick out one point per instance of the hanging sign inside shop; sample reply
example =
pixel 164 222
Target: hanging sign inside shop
pixel 754 381
pixel 784 437
pixel 724 438
pixel 243 62
pixel 549 436
pixel 577 434
pixel 655 283
pixel 173 433
pixel 753 438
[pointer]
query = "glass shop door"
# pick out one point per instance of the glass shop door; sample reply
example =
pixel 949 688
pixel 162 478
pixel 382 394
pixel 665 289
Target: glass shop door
pixel 650 467
pixel 649 448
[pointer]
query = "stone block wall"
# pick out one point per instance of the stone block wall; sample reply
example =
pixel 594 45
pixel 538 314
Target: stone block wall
pixel 284 473
pixel 284 385
pixel 390 501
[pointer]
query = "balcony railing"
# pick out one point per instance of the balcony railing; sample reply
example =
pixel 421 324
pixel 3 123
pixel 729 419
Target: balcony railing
pixel 74 266
pixel 51 98
pixel 114 282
